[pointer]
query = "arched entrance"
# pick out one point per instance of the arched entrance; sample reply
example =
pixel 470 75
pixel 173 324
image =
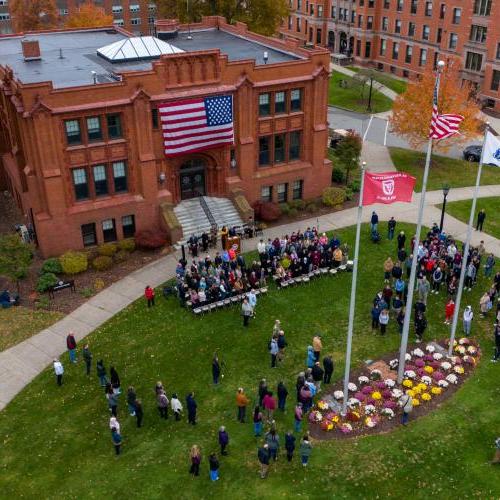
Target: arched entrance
pixel 343 43
pixel 331 40
pixel 192 178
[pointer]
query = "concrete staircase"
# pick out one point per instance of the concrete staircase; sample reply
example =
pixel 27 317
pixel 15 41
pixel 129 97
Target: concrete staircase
pixel 194 220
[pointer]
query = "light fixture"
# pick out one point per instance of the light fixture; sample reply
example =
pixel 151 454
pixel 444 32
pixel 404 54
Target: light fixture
pixel 94 76
pixel 446 189
pixel 162 177
pixel 266 56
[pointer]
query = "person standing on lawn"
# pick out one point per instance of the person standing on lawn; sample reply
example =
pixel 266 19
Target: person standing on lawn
pixel 114 424
pixel 305 450
pixel 195 456
pixel 101 373
pixel 257 421
pixel 214 467
pixel 406 404
pixel 241 402
pixel 269 403
pixel 468 317
pixel 273 441
pixel 383 319
pixel 149 294
pixel 117 440
pixel 262 390
pixel 58 370
pixel 391 226
pixel 115 380
pixel 176 406
pixel 191 408
pixel 298 416
pixel 374 221
pixel 264 456
pixel 281 345
pixel 273 351
pixel 215 369
pixel 289 445
pixel 139 412
pixel 420 325
pixel 328 369
pixel 317 347
pixel 131 399
pixel 87 357
pixel 162 403
pixel 246 311
pixel 112 398
pixel 311 358
pixel 449 310
pixel 223 440
pixel 496 337
pixel 282 392
pixel 71 345
pixel 317 375
pixel 481 216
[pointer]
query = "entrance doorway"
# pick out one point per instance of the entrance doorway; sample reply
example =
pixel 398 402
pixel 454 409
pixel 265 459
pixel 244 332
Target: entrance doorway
pixel 192 178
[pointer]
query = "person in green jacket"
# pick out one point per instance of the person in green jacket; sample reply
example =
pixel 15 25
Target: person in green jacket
pixel 305 450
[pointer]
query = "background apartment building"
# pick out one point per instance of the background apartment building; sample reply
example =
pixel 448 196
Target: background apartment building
pixel 406 37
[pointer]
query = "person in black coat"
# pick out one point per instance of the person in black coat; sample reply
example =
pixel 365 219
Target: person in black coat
pixel 264 457
pixel 139 413
pixel 216 369
pixel 317 375
pixel 301 380
pixel 401 240
pixel 114 379
pixel 282 395
pixel 328 368
pixel 191 408
pixel 289 445
pixel 223 440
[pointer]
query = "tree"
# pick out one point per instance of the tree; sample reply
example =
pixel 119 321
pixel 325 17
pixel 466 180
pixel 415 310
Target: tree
pixel 89 16
pixel 348 152
pixel 32 15
pixel 411 114
pixel 15 257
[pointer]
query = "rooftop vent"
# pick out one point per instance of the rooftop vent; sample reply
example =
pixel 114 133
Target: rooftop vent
pixel 31 50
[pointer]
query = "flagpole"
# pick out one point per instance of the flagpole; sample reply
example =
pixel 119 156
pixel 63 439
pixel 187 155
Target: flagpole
pixel 411 284
pixel 352 304
pixel 465 254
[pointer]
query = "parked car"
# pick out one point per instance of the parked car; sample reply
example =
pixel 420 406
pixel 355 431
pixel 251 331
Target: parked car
pixel 336 135
pixel 472 153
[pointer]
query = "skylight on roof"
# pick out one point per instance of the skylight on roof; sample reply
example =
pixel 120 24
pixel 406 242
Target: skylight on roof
pixel 137 48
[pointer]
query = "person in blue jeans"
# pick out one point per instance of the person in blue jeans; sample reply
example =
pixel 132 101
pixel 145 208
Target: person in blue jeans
pixel 71 345
pixel 406 404
pixel 374 221
pixel 298 417
pixel 282 395
pixel 101 373
pixel 257 421
pixel 214 467
pixel 305 450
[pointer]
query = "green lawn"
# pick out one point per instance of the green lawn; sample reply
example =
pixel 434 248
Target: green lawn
pixel 19 323
pixel 455 173
pixel 399 86
pixel 350 97
pixel 461 211
pixel 56 441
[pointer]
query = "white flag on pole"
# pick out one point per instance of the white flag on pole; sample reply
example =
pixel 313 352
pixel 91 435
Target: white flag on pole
pixel 491 150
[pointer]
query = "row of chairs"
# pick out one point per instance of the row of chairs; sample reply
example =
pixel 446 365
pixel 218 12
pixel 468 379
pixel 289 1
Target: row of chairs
pixel 306 278
pixel 220 304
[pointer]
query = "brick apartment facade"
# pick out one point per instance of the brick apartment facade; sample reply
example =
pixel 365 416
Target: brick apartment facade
pixel 85 162
pixel 406 37
pixel 136 16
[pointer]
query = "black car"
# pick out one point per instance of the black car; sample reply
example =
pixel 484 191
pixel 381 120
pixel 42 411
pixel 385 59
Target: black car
pixel 472 153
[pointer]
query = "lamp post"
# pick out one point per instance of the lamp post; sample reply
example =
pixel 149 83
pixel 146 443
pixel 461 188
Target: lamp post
pixel 369 108
pixel 446 190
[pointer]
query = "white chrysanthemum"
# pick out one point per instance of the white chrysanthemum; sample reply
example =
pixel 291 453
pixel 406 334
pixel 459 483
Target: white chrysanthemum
pixel 338 395
pixel 352 387
pixel 430 348
pixel 437 356
pixel 389 383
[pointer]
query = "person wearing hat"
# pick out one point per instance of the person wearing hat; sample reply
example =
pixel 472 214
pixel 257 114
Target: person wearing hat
pixel 264 456
pixel 223 440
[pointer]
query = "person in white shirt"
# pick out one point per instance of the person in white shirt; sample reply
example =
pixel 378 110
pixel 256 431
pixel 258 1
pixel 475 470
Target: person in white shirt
pixel 176 406
pixel 113 422
pixel 468 317
pixel 252 298
pixel 58 370
pixel 261 247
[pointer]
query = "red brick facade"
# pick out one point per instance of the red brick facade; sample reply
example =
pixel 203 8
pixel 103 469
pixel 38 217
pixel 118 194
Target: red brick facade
pixel 43 166
pixel 405 37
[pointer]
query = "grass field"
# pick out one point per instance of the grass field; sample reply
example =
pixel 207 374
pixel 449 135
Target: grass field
pixel 350 97
pixel 56 441
pixel 461 211
pixel 455 173
pixel 399 86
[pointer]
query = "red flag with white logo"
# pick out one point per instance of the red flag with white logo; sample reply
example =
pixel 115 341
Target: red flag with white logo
pixel 387 187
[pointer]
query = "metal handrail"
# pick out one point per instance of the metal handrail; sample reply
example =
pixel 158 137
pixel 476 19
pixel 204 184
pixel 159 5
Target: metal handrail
pixel 207 211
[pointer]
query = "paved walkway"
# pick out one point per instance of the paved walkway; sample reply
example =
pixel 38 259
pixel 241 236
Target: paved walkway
pixel 20 364
pixel 377 157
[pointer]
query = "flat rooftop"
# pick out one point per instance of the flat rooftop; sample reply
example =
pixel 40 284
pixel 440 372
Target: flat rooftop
pixel 79 54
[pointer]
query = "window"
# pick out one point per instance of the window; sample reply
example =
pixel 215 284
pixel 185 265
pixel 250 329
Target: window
pixel 94 131
pixel 409 53
pixel 422 61
pixel 264 104
pixel 387 4
pixel 395 50
pixel 73 134
pixel 264 157
pixel 119 22
pixel 279 148
pixel 453 41
pixel 353 16
pixel 318 35
pixel 280 102
pixel 135 8
pixel 457 15
pixel 116 9
pixel 151 19
pixel 371 4
pixel 393 69
pixel 341 14
pixel 128 226
pixel 495 80
pixel 282 193
pixel 298 24
pixel 290 22
pixel 397 26
pixel 383 46
pixel 436 56
pixel 4 2
pixel 299 4
pixel 296 100
pixel 294 145
pixel 152 7
pixel 100 181
pixel 361 3
pixel 439 35
pixel 482 7
pixel 334 12
pixel 369 23
pixel 385 23
pixel 368 48
pixel 311 33
pixel 380 66
pixel 80 183
pixel 358 47
pixel 428 9
pixel 155 118
pixel 311 9
pixel 478 33
pixel 442 11
pixel 120 176
pixel 474 61
pixel 406 73
pixel 4 16
pixel 413 7
pixel 498 51
pixel 62 12
pixel 426 32
pixel 297 188
pixel 108 230
pixel 88 234
pixel 360 21
pixel 266 193
pixel 320 11
pixel 135 21
pixel 399 5
pixel 114 126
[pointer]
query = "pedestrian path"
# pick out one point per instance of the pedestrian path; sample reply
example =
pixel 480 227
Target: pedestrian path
pixel 377 157
pixel 20 364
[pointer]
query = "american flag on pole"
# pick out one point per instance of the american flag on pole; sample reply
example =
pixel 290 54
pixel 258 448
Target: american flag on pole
pixel 442 126
pixel 196 124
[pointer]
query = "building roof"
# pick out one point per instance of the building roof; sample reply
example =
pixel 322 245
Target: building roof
pixel 71 58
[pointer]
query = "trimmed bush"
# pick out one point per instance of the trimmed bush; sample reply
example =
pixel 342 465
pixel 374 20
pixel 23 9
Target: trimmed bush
pixel 333 196
pixel 355 185
pixel 349 193
pixel 45 281
pixel 107 249
pixel 73 262
pixel 98 284
pixel 269 211
pixel 51 266
pixel 150 239
pixel 102 263
pixel 338 175
pixel 293 212
pixel 311 207
pixel 121 255
pixel 298 204
pixel 128 244
pixel 285 208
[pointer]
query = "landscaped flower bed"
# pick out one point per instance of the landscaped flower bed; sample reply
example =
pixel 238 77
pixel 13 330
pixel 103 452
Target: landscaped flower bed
pixel 430 377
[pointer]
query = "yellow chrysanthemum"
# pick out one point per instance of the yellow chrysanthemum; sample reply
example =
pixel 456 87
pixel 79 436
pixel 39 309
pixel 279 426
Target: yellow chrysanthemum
pixel 417 390
pixel 410 393
pixel 428 369
pixel 415 402
pixel 376 395
pixel 426 396
pixel 436 390
pixel 422 386
pixel 407 383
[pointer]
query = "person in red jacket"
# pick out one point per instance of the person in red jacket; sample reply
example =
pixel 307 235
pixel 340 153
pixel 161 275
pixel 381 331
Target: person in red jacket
pixel 449 309
pixel 149 293
pixel 71 345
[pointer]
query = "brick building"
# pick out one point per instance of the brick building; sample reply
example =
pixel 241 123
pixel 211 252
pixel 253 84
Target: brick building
pixel 136 16
pixel 406 37
pixel 81 143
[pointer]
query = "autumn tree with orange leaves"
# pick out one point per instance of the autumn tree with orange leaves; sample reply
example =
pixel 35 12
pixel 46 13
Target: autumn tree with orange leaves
pixel 411 114
pixel 32 15
pixel 89 16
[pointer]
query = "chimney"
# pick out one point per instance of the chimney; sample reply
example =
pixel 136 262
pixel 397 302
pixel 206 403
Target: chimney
pixel 31 50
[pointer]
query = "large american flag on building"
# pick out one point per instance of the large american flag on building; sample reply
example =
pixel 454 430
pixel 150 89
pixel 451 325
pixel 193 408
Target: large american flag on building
pixel 442 126
pixel 197 124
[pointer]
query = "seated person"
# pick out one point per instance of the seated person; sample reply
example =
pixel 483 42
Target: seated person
pixel 202 297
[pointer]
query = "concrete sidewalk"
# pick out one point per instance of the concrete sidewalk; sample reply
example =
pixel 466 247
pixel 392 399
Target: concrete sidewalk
pixel 377 157
pixel 20 364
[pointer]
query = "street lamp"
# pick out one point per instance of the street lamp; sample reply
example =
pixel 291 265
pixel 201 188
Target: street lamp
pixel 446 190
